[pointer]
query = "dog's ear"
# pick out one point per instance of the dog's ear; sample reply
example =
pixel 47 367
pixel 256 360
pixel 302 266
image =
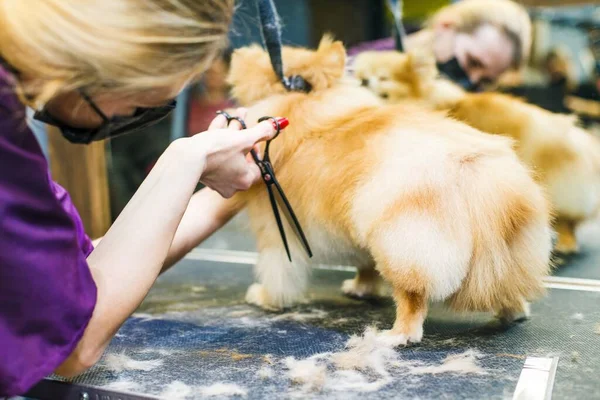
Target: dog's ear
pixel 422 65
pixel 251 75
pixel 332 56
pixel 327 64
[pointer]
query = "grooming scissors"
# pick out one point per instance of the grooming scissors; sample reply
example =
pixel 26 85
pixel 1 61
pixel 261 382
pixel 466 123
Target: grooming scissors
pixel 268 176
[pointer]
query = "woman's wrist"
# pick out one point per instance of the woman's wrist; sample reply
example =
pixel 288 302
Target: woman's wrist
pixel 189 153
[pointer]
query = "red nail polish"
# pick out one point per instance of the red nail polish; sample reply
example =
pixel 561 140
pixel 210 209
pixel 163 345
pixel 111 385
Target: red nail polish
pixel 283 123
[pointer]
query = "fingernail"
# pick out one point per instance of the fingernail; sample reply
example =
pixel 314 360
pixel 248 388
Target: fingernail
pixel 283 123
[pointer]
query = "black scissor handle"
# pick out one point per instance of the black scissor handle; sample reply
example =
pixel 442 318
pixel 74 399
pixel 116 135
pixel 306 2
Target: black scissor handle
pixel 230 118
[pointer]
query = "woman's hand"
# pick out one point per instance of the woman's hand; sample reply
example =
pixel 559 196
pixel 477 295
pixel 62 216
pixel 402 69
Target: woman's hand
pixel 228 169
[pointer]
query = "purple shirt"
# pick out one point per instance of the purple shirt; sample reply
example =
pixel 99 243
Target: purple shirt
pixel 47 294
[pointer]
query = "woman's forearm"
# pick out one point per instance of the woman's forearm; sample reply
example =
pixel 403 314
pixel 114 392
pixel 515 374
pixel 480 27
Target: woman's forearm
pixel 205 214
pixel 130 256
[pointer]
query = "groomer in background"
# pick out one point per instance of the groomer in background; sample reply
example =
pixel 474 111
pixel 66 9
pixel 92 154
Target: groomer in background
pixel 474 41
pixel 96 70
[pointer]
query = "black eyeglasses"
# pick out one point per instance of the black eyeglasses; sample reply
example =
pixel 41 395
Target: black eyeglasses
pixel 110 127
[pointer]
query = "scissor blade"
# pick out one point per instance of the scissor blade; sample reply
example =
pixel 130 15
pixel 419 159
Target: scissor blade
pixel 288 211
pixel 279 223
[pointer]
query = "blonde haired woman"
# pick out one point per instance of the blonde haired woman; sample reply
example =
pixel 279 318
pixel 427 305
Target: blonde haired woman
pixel 473 41
pixel 97 69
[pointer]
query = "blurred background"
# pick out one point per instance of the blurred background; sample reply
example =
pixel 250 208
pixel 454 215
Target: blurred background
pixel 563 76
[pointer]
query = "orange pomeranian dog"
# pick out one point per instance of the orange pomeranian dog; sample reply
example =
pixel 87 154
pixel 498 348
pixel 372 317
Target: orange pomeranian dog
pixel 437 209
pixel 564 157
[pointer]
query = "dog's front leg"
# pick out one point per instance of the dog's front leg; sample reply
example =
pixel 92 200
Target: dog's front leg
pixel 281 283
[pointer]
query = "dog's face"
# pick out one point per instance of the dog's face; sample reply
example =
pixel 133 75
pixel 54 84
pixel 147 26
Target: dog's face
pixel 386 73
pixel 397 76
pixel 252 77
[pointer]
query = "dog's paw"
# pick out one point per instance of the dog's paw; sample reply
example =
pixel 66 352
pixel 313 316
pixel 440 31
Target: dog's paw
pixel 349 288
pixel 566 245
pixel 566 249
pixel 258 296
pixel 401 337
pixel 391 339
pixel 362 290
pixel 508 316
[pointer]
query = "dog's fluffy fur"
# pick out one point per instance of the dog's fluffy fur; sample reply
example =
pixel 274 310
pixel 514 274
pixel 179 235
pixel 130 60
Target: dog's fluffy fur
pixel 565 158
pixel 438 209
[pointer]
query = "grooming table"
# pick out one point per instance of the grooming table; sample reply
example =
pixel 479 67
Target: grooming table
pixel 194 330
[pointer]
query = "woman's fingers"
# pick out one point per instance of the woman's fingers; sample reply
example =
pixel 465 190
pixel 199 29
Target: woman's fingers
pixel 220 122
pixel 261 132
pixel 252 176
pixel 257 150
pixel 245 140
pixel 255 171
pixel 229 168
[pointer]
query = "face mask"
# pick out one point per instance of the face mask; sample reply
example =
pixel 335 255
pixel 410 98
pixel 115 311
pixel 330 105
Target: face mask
pixel 452 70
pixel 111 127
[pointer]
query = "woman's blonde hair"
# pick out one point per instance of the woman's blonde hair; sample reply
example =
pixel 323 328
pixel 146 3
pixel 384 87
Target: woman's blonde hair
pixel 507 15
pixel 114 46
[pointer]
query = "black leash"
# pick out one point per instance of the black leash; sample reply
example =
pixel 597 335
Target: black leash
pixel 270 28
